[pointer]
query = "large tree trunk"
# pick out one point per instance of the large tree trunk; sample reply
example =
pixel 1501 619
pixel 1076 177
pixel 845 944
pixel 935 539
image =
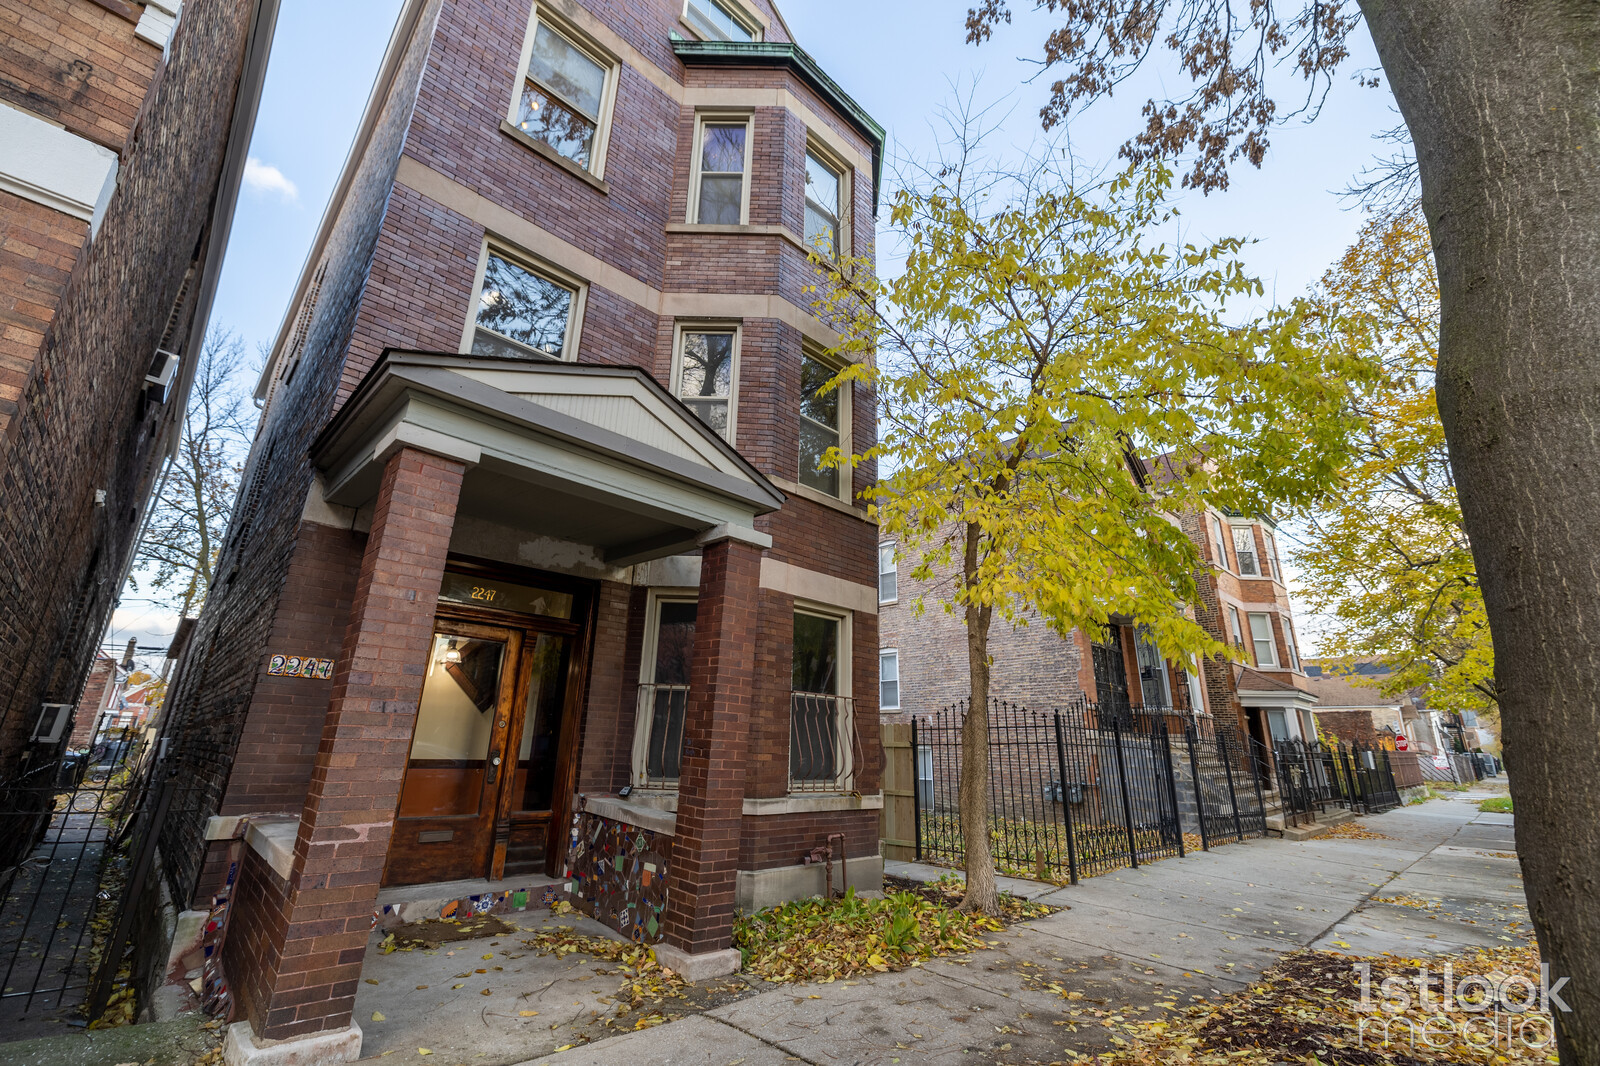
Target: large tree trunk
pixel 1503 102
pixel 982 894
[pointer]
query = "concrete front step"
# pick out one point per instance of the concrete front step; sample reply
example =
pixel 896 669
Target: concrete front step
pixel 461 899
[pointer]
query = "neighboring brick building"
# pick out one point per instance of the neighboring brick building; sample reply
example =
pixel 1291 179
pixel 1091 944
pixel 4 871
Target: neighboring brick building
pixel 923 657
pixel 1244 602
pixel 99 695
pixel 123 133
pixel 533 516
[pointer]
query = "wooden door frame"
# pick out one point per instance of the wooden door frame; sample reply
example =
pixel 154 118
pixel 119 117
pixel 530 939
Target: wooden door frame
pixel 515 639
pixel 579 629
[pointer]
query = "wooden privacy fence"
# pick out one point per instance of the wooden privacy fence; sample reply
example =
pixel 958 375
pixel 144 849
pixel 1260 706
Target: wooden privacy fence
pixel 899 825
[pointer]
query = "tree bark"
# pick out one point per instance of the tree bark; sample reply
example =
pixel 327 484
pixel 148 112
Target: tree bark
pixel 1503 104
pixel 982 895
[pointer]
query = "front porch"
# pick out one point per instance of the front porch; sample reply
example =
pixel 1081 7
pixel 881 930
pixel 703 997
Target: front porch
pixel 558 676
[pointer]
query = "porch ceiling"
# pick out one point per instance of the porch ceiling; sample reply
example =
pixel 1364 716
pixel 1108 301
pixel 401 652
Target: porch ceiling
pixel 596 455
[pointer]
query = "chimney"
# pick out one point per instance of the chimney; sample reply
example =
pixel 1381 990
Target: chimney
pixel 127 657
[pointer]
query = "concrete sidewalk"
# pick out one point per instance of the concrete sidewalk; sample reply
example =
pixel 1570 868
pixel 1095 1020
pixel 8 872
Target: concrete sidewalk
pixel 1201 926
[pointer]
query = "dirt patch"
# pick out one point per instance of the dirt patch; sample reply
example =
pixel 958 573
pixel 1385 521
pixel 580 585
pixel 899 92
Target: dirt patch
pixel 435 931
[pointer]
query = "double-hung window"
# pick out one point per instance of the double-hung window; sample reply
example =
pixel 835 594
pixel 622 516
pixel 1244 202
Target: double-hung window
pixel 889 679
pixel 718 193
pixel 522 311
pixel 663 692
pixel 1152 671
pixel 1289 644
pixel 824 186
pixel 720 20
pixel 823 415
pixel 705 375
pixel 1272 555
pixel 888 573
pixel 819 723
pixel 1219 542
pixel 564 97
pixel 1235 629
pixel 1244 550
pixel 1266 648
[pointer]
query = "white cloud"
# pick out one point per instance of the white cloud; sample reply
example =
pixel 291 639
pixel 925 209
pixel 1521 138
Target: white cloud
pixel 264 177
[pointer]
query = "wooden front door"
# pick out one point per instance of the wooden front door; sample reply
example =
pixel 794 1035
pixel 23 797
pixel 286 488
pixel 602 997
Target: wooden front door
pixel 489 756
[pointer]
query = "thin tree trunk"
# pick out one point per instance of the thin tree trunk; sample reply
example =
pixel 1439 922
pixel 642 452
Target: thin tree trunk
pixel 982 894
pixel 1503 103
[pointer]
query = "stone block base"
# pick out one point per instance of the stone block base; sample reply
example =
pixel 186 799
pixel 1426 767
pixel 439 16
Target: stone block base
pixel 756 890
pixel 695 968
pixel 243 1048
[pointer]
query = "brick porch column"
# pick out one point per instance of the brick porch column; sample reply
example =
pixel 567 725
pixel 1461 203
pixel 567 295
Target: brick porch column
pixel 698 928
pixel 311 979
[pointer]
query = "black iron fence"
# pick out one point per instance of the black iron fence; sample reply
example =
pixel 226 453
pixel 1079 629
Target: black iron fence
pixel 1077 792
pixel 1315 776
pixel 82 848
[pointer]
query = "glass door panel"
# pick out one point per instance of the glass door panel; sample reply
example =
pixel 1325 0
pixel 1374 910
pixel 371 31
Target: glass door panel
pixel 541 725
pixel 455 724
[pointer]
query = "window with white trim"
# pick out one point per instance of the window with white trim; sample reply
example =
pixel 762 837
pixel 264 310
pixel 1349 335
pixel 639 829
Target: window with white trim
pixel 1197 699
pixel 719 192
pixel 663 704
pixel 824 197
pixel 705 375
pixel 1235 628
pixel 1219 543
pixel 721 20
pixel 522 311
pixel 1272 555
pixel 1289 644
pixel 888 573
pixel 925 777
pixel 1153 687
pixel 564 100
pixel 1244 551
pixel 1261 637
pixel 819 728
pixel 889 679
pixel 824 424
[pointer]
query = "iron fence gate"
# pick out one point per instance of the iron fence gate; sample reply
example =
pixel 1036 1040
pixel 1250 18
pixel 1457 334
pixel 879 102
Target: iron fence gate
pixel 1313 777
pixel 79 844
pixel 1077 792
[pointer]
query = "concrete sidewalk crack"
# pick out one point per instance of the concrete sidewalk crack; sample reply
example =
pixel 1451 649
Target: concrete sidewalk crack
pixel 775 1045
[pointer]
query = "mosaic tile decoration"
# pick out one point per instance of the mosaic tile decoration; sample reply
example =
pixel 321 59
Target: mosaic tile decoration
pixel 508 902
pixel 619 875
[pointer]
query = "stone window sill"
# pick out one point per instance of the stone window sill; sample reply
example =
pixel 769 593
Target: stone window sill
pixel 553 156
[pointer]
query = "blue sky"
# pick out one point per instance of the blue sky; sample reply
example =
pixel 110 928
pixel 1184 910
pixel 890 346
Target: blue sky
pixel 898 58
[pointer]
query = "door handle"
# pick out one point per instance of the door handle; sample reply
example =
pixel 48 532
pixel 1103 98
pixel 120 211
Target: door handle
pixel 494 768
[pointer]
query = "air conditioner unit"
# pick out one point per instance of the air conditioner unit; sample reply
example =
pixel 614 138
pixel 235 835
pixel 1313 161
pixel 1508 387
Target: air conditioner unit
pixel 53 719
pixel 163 371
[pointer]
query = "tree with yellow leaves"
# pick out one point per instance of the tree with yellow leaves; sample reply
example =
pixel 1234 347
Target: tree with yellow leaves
pixel 1040 340
pixel 1388 562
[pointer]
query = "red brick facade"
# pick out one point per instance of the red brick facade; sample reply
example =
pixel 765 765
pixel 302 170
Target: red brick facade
pixel 433 178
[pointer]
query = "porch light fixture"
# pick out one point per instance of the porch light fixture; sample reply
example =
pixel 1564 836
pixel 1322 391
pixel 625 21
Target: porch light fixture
pixel 451 654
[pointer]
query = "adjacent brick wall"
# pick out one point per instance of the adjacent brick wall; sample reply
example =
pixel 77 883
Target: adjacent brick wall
pixel 86 715
pixel 78 325
pixel 77 64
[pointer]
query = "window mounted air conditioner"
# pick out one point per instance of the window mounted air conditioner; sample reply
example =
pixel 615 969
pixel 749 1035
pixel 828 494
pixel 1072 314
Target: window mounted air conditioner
pixel 53 719
pixel 163 371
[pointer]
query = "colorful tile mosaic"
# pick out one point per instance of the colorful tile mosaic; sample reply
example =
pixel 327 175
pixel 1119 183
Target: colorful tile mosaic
pixel 619 875
pixel 508 902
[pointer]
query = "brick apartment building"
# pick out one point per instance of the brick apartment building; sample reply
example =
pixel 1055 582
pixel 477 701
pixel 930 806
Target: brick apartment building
pixel 123 133
pixel 1243 602
pixel 535 579
pixel 923 658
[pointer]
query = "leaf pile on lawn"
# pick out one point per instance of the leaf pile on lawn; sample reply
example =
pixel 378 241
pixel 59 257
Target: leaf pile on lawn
pixel 646 983
pixel 823 940
pixel 1356 831
pixel 1308 1009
